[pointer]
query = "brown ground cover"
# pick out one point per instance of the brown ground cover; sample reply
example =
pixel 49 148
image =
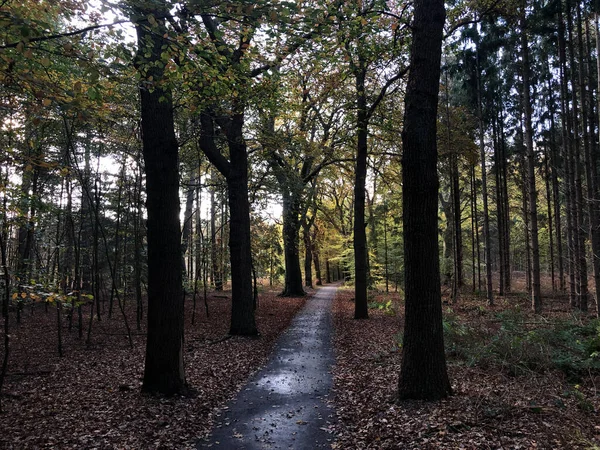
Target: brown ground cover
pixel 90 398
pixel 493 407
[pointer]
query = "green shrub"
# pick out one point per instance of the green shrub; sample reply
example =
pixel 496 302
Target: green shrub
pixel 513 343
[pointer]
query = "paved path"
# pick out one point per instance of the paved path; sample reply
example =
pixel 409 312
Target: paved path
pixel 284 405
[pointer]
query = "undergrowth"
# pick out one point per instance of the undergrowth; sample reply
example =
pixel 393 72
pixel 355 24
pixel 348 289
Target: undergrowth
pixel 519 344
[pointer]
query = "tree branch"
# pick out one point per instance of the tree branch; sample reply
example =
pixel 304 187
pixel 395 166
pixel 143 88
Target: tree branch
pixel 383 91
pixel 67 34
pixel 208 146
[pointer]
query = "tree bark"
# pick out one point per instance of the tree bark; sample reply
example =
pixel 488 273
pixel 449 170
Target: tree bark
pixel 291 248
pixel 164 372
pixel 536 296
pixel 484 191
pixel 242 309
pixel 215 250
pixel 423 373
pixel 361 310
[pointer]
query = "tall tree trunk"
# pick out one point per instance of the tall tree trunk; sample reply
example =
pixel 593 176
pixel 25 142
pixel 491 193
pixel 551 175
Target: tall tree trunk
pixel 499 206
pixel 591 172
pixel 580 247
pixel 4 234
pixel 536 298
pixel 235 171
pixel 505 207
pixel 164 371
pixel 316 255
pixel 114 273
pixel 215 250
pixel 457 216
pixel 361 256
pixel 484 191
pixel 550 221
pixel 138 244
pixel 242 311
pixel 186 232
pixel 291 245
pixel 555 165
pixel 567 158
pixel 423 351
pixel 308 256
pixel 475 247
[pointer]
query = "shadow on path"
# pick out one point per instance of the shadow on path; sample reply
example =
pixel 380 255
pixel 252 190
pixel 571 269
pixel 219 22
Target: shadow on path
pixel 284 406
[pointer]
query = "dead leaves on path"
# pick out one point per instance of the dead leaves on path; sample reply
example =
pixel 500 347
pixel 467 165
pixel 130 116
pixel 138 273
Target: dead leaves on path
pixel 489 410
pixel 91 398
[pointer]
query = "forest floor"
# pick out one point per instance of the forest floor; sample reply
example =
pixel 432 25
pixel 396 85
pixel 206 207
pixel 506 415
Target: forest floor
pixel 519 381
pixel 90 398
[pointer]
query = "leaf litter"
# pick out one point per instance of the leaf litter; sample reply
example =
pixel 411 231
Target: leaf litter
pixel 91 398
pixel 490 409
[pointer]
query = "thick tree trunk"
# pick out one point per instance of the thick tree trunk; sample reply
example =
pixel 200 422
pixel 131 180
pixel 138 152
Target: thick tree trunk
pixel 423 373
pixel 164 372
pixel 235 171
pixel 291 245
pixel 361 255
pixel 242 309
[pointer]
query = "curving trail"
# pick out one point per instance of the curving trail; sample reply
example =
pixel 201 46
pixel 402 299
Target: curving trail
pixel 284 405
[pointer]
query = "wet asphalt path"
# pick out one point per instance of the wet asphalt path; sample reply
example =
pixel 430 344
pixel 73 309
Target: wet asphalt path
pixel 284 406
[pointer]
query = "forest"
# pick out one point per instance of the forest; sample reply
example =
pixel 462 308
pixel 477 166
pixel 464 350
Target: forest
pixel 183 184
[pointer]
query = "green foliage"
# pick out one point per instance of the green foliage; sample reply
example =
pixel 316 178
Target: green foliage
pixel 384 305
pixel 512 343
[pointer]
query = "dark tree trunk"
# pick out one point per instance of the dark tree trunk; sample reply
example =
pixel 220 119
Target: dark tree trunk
pixel 536 296
pixel 423 373
pixel 566 157
pixel 476 275
pixel 164 372
pixel 308 257
pixel 499 207
pixel 580 235
pixel 242 296
pixel 186 232
pixel 316 256
pixel 291 245
pixel 137 248
pixel 458 241
pixel 215 250
pixel 505 208
pixel 589 162
pixel 235 171
pixel 361 255
pixel 484 191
